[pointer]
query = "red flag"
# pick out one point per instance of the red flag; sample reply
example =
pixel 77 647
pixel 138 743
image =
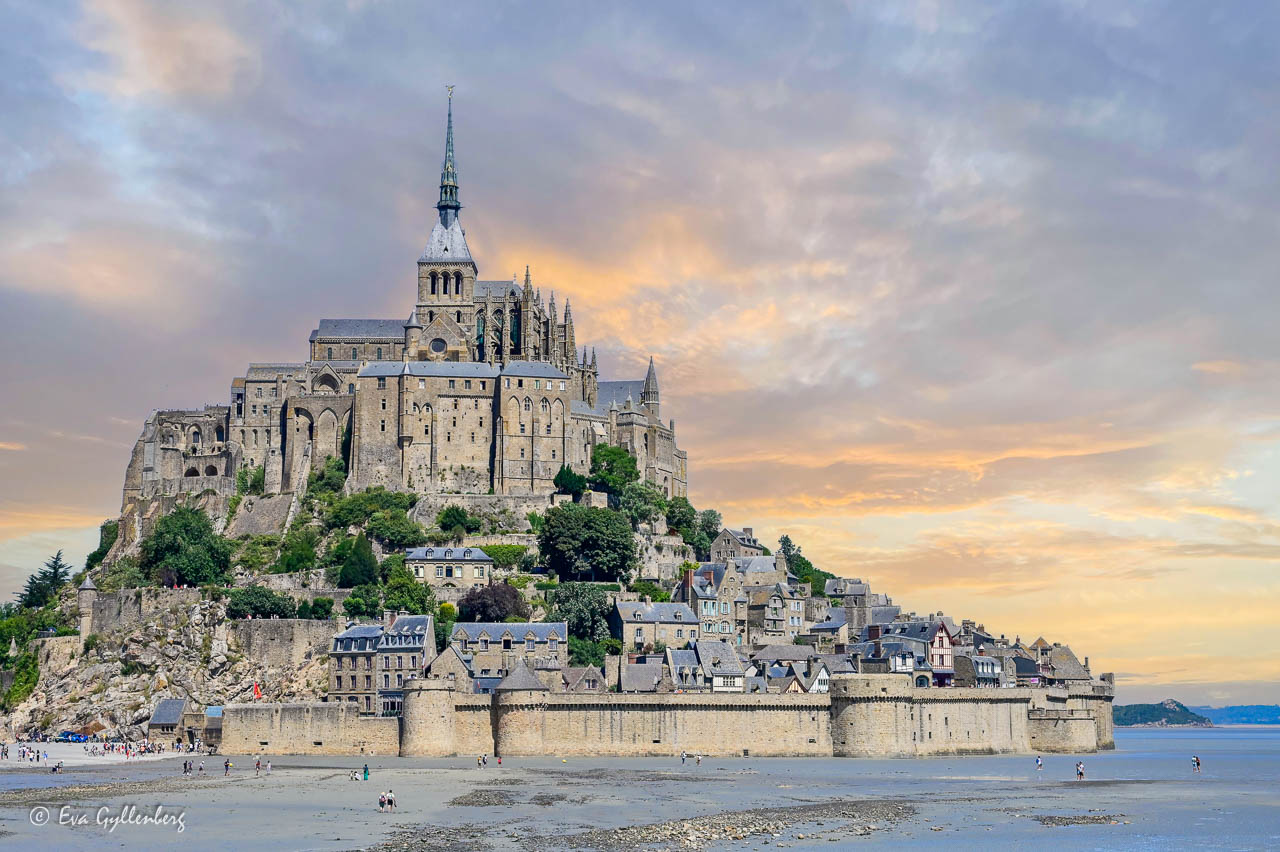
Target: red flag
pixel 257 693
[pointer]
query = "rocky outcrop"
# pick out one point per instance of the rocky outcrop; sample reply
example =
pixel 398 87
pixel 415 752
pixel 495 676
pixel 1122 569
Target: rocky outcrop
pixel 190 652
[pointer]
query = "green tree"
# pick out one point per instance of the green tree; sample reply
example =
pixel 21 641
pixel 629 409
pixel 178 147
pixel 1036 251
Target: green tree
pixel 394 528
pixel 586 543
pixel 183 549
pixel 568 482
pixel 329 479
pixel 641 503
pixel 124 573
pixel 42 586
pixel 453 516
pixel 365 601
pixel 535 522
pixel 492 604
pixel 585 653
pixel 799 564
pixel 107 535
pixel 304 609
pixel 258 602
pixel 584 608
pixel 612 468
pixel 698 540
pixel 258 480
pixel 335 557
pixel 505 556
pixel 360 568
pixel 680 514
pixel 299 551
pixel 650 590
pixel 322 609
pixel 390 564
pixel 709 522
pixel 357 509
pixel 403 592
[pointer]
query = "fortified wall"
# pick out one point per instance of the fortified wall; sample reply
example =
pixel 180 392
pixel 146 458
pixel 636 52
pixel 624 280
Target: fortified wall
pixel 866 715
pixel 110 611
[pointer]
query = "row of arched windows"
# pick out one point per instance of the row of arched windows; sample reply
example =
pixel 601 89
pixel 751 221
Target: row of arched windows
pixel 440 282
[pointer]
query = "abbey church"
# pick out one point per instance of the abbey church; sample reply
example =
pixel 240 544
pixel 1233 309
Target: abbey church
pixel 482 389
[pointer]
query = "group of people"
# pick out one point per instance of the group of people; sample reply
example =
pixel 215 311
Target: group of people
pixel 483 760
pixel 25 752
pixel 356 773
pixel 387 802
pixel 189 768
pixel 685 756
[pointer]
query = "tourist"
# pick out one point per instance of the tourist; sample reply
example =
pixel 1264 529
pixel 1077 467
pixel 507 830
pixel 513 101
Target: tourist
pixel 1195 763
pixel 697 758
pixel 226 767
pixel 391 800
pixel 484 759
pixel 268 767
pixel 382 803
pixel 257 768
pixel 683 756
pixel 499 760
pixel 1039 763
pixel 366 772
pixel 202 769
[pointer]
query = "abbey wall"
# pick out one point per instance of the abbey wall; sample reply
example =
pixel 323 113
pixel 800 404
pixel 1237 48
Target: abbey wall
pixel 864 715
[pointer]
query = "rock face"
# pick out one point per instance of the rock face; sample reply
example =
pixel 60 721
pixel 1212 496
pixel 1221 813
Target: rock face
pixel 183 652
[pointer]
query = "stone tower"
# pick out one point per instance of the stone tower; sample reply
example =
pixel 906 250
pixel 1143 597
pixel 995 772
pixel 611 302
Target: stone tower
pixel 649 393
pixel 85 597
pixel 427 719
pixel 519 703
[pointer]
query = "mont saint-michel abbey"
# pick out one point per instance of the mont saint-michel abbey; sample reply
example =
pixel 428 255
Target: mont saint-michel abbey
pixel 481 389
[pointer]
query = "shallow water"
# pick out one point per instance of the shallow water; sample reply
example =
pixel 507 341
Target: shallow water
pixel 1145 785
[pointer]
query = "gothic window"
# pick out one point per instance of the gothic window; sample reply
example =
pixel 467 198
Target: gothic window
pixel 379 353
pixel 354 356
pixel 528 404
pixel 255 437
pixel 457 283
pixel 330 356
pixel 433 283
pixel 545 406
pixel 458 316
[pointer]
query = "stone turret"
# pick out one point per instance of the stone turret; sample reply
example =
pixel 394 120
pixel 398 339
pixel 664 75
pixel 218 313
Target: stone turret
pixel 427 727
pixel 86 595
pixel 649 393
pixel 519 703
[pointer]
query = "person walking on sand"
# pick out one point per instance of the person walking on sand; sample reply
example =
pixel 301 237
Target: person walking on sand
pixel 226 767
pixel 1195 763
pixel 268 767
pixel 391 800
pixel 697 760
pixel 202 769
pixel 683 756
pixel 1039 763
pixel 382 803
pixel 257 768
pixel 366 772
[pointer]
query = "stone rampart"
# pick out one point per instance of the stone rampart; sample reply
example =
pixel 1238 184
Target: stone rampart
pixel 117 610
pixel 283 641
pixel 311 728
pixel 1062 731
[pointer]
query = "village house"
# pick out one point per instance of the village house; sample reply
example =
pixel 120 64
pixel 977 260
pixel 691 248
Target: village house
pixel 166 719
pixel 351 672
pixel 933 636
pixel 705 666
pixel 976 670
pixel 735 544
pixel 450 567
pixel 494 648
pixel 644 625
pixel 714 592
pixel 407 644
pixel 774 613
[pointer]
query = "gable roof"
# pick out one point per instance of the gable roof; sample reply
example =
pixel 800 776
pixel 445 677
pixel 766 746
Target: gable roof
pixel 447 369
pixel 168 711
pixel 452 554
pixel 359 329
pixel 718 657
pixel 540 369
pixel 498 289
pixel 447 245
pixel 641 677
pixel 619 392
pixel 655 613
pixel 542 630
pixel 838 587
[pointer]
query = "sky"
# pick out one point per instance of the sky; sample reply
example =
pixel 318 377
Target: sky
pixel 976 301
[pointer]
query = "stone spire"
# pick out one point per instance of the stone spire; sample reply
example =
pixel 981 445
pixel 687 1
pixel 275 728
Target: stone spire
pixel 649 394
pixel 448 204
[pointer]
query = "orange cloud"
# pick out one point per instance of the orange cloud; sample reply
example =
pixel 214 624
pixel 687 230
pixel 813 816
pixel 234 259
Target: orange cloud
pixel 12 446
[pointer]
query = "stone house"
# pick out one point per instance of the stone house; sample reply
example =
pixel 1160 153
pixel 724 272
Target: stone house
pixel 582 679
pixel 494 648
pixel 715 593
pixel 976 670
pixel 351 666
pixel 450 567
pixel 407 644
pixel 643 625
pixel 706 666
pixel 735 544
pixel 937 640
pixel 452 664
pixel 166 719
pixel 774 613
pixel 831 634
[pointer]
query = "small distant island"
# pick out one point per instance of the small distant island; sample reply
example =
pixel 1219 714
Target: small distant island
pixel 1242 714
pixel 1166 714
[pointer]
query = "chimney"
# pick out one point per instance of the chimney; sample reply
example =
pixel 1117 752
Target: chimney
pixel 873 632
pixel 688 585
pixel 746 531
pixel 876 652
pixel 388 618
pixel 1086 664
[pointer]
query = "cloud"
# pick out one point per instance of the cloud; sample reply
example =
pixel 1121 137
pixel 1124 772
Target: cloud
pixel 12 446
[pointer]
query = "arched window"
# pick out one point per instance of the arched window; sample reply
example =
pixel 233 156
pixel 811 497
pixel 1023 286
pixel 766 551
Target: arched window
pixel 351 388
pixel 528 404
pixel 431 315
pixel 191 471
pixel 219 435
pixel 379 353
pixel 457 283
pixel 210 470
pixel 458 317
pixel 480 334
pixel 433 283
pixel 195 437
pixel 545 407
pixel 255 437
pixel 646 444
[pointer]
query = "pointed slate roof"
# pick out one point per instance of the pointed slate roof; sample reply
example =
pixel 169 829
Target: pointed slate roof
pixel 521 679
pixel 88 585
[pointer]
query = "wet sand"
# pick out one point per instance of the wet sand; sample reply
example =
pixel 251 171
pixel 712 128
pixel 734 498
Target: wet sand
pixel 1141 797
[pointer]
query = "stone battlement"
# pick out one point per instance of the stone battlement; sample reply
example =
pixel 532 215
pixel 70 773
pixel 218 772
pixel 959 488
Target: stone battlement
pixel 866 715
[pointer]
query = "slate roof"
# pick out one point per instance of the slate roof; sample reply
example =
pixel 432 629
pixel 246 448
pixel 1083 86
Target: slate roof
pixel 718 658
pixel 537 369
pixel 359 329
pixel 578 406
pixel 498 289
pixel 542 630
pixel 411 625
pixel 349 639
pixel 607 392
pixel 88 585
pixel 447 369
pixel 754 685
pixel 770 653
pixel 836 619
pixel 270 371
pixel 451 554
pixel 521 678
pixel 756 564
pixel 447 245
pixel 655 613
pixel 641 677
pixel 1065 664
pixel 575 675
pixel 838 587
pixel 743 538
pixel 168 711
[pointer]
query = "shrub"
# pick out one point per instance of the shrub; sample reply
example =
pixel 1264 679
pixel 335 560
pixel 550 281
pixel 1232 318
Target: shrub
pixel 365 601
pixel 91 641
pixel 587 543
pixel 360 567
pixel 493 603
pixel 568 482
pixel 453 516
pixel 544 586
pixel 259 602
pixel 505 555
pixel 394 528
pixel 256 553
pixel 26 674
pixel 107 535
pixel 329 479
pixel 357 509
pixel 322 609
pixel 184 549
pixel 304 609
pixel 655 593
